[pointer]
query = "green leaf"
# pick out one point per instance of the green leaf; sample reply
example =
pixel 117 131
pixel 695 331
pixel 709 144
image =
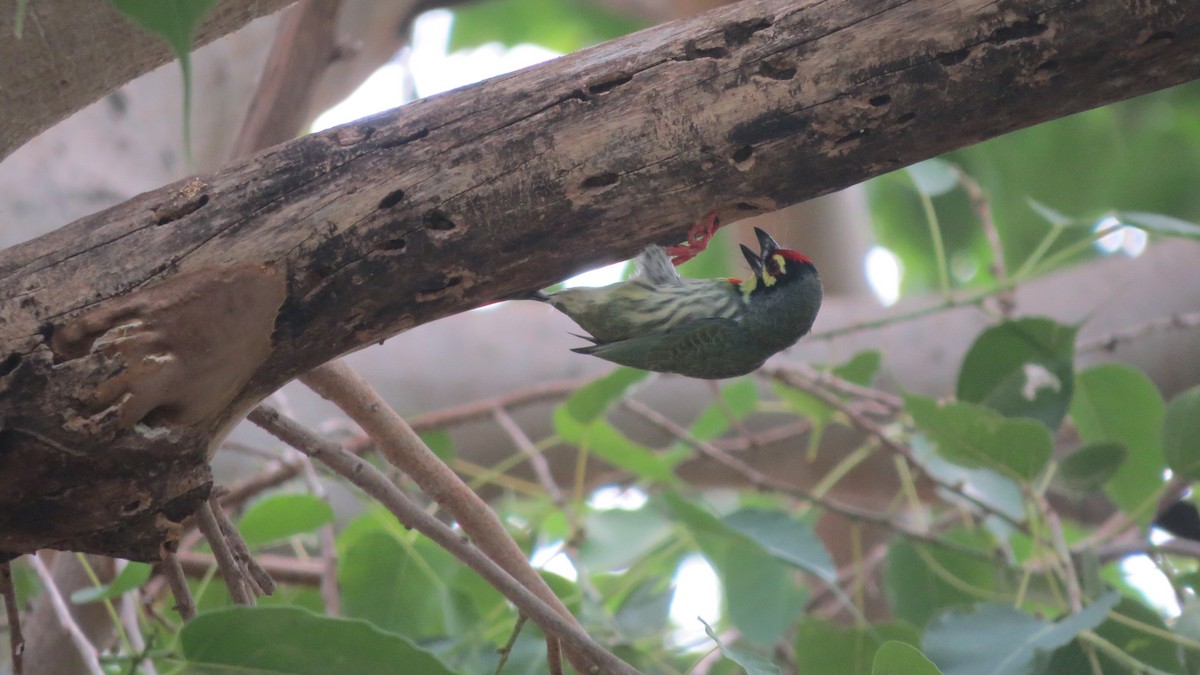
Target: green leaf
pixel 1181 434
pixel 997 491
pixel 281 516
pixel 1159 224
pixel 898 658
pixel 561 25
pixel 761 597
pixel 990 639
pixel 786 538
pixel 298 642
pixel 920 579
pixel 382 582
pixel 753 663
pixel 135 574
pixel 1118 404
pixel 824 648
pixel 808 406
pixel 1156 649
pixel 608 443
pixel 933 177
pixel 617 538
pixel 977 437
pixel 1021 368
pixel 407 584
pixel 861 368
pixel 176 21
pixel 440 443
pixel 749 544
pixel 1090 467
pixel 647 608
pixel 741 397
pixel 592 400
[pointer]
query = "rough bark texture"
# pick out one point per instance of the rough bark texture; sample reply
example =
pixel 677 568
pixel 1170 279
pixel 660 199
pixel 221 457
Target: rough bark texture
pixel 64 58
pixel 485 193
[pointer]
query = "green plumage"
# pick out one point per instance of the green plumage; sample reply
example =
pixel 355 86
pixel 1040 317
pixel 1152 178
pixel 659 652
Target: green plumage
pixel 704 328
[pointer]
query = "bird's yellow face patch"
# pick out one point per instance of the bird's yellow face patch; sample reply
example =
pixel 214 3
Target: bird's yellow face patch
pixel 774 267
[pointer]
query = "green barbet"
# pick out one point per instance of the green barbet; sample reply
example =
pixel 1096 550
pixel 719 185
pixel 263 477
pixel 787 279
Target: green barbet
pixel 703 328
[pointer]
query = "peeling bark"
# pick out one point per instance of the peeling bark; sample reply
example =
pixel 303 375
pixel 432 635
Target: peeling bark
pixel 494 190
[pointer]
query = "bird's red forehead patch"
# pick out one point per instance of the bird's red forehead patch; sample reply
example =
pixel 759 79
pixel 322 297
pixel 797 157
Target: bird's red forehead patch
pixel 793 256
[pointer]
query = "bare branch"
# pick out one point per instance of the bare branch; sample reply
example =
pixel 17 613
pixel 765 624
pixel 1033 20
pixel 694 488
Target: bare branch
pixel 184 603
pixel 364 231
pixel 1110 342
pixel 374 483
pixel 231 571
pixel 16 641
pixel 87 652
pixel 405 450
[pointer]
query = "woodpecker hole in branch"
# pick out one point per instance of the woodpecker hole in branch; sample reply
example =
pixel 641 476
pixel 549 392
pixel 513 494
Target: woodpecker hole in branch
pixel 777 70
pixel 740 33
pixel 393 198
pixel 600 180
pixel 605 85
pixel 436 220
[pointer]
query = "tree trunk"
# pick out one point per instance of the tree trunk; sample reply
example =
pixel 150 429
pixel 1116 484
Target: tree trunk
pixel 131 340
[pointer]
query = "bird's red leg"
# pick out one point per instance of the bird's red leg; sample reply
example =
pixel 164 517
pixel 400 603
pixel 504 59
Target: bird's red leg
pixel 697 239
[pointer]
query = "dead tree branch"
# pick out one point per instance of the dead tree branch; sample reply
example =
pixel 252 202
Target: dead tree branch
pixel 132 339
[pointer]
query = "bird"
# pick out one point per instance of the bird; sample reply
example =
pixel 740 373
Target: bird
pixel 703 328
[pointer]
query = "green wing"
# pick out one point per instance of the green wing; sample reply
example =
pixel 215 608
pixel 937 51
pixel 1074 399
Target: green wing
pixel 704 348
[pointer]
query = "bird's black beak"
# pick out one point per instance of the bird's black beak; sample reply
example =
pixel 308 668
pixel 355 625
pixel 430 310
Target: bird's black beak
pixel 756 263
pixel 769 246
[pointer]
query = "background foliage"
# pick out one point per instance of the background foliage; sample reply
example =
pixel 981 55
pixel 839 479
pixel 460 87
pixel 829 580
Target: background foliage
pixel 997 577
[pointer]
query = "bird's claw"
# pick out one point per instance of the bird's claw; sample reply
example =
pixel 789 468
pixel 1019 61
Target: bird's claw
pixel 698 237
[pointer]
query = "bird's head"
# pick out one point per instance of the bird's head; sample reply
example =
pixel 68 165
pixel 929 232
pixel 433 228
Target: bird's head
pixel 774 267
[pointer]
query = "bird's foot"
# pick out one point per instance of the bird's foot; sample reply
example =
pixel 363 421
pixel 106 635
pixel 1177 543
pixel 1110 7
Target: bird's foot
pixel 697 239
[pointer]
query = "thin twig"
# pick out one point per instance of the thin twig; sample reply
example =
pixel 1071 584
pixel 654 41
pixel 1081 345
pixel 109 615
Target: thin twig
pixel 762 481
pixel 734 421
pixel 973 300
pixel 833 382
pixel 185 604
pixel 867 426
pixel 16 641
pixel 226 563
pixel 1111 341
pixel 541 468
pixel 404 449
pixel 983 210
pixel 545 391
pixel 506 650
pixel 129 620
pixel 325 538
pixel 285 569
pixel 87 652
pixel 257 577
pixel 373 482
pixel 764 438
pixel 282 470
